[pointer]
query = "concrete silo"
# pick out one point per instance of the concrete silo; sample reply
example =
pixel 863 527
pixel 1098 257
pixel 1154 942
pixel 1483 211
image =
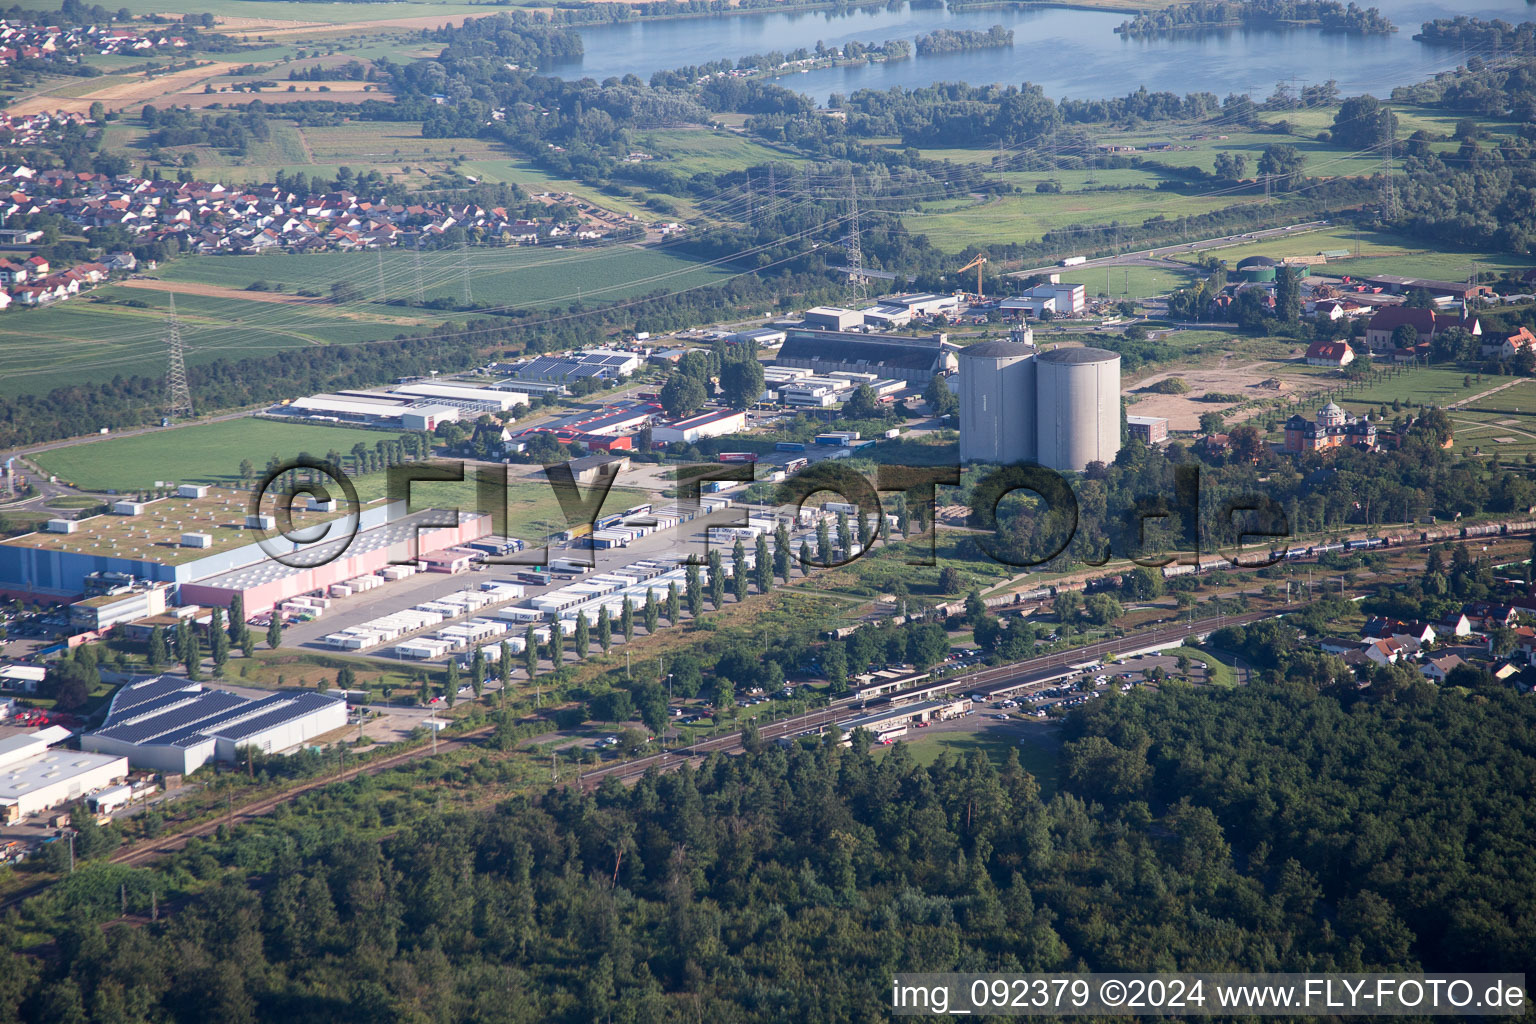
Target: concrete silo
pixel 997 403
pixel 1078 407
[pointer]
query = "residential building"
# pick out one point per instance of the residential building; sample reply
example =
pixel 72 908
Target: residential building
pixel 1438 668
pixel 1337 354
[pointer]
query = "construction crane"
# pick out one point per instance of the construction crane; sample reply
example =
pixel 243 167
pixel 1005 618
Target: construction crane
pixel 978 262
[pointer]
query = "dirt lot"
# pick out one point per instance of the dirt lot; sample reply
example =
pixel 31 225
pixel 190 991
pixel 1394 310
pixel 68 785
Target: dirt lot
pixel 1183 411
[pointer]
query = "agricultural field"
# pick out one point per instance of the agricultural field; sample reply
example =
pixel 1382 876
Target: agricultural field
pixel 82 341
pixel 521 277
pixel 121 329
pixel 396 149
pixel 208 453
pixel 953 225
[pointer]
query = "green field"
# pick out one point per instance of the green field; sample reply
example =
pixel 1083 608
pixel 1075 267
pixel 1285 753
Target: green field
pixel 705 151
pixel 521 277
pixel 953 225
pixel 208 453
pixel 1037 754
pixel 1128 282
pixel 87 341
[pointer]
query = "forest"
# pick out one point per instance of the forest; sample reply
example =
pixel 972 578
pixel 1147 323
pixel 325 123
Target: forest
pixel 1270 828
pixel 947 40
pixel 1329 15
pixel 1491 36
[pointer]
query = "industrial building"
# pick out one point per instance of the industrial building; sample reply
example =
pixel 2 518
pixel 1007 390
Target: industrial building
pixel 602 364
pixel 206 549
pixel 923 303
pixel 169 724
pixel 1059 408
pixel 1147 429
pixel 715 423
pixel 914 360
pixel 997 407
pixel 466 398
pixel 369 409
pixel 34 776
pixel 1078 397
pixel 833 318
pixel 763 337
pixel 125 604
pixel 1062 299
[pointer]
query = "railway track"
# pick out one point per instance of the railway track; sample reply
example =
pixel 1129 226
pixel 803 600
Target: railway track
pixel 143 853
pixel 1004 677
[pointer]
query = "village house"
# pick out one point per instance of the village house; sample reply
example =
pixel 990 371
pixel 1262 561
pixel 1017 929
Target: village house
pixel 1337 354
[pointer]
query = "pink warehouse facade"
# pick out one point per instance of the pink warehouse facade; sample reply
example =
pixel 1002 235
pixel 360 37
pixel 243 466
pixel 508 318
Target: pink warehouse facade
pixel 260 598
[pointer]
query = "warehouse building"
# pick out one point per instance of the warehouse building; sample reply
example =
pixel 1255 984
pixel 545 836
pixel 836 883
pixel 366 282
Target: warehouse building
pixel 914 360
pixel 601 364
pixel 207 548
pixel 923 303
pixel 716 423
pixel 172 725
pixel 833 318
pixel 464 397
pixel 35 776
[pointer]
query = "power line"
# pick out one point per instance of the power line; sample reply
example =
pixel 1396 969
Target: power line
pixel 178 397
pixel 856 246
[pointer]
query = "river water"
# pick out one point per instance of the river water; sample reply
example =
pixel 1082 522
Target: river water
pixel 1073 54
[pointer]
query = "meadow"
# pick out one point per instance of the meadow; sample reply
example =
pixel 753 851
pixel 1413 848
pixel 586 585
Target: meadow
pixel 704 151
pixel 205 453
pixel 517 277
pixel 953 225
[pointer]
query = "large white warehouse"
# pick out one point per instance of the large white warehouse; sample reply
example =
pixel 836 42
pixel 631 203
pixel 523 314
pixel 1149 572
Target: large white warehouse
pixel 34 777
pixel 997 403
pixel 172 725
pixel 1078 391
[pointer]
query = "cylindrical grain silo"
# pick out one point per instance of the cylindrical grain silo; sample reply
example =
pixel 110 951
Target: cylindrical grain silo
pixel 1078 407
pixel 997 403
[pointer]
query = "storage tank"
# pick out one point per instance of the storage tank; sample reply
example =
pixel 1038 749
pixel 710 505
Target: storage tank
pixel 997 403
pixel 1079 407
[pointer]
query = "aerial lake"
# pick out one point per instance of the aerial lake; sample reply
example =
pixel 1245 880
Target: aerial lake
pixel 1073 54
